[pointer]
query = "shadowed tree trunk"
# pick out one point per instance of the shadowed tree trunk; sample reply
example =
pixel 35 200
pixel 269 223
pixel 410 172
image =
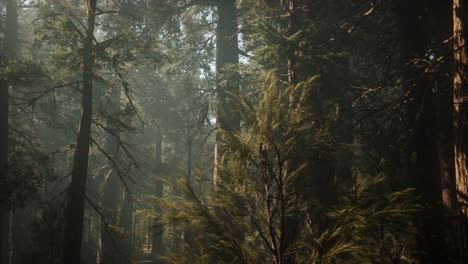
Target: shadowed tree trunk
pixel 126 223
pixel 227 78
pixel 74 210
pixel 110 250
pixel 290 225
pixel 418 36
pixel 9 52
pixel 460 101
pixel 441 30
pixel 157 242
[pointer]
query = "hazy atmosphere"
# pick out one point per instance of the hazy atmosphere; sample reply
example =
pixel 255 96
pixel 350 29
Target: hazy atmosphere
pixel 233 131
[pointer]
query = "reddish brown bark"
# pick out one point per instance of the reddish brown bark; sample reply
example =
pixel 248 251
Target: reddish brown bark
pixel 460 118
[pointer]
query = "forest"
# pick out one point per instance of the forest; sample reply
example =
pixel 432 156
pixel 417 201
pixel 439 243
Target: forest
pixel 233 131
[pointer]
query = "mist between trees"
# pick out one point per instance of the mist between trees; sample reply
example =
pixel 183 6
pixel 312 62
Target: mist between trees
pixel 233 131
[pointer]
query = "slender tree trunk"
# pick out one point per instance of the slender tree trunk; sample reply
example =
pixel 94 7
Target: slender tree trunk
pixel 74 211
pixel 290 7
pixel 4 207
pixel 127 224
pixel 289 222
pixel 444 157
pixel 460 118
pixel 110 251
pixel 9 53
pixel 189 156
pixel 417 36
pixel 157 248
pixel 188 235
pixel 227 79
pixel 441 29
pixel 148 233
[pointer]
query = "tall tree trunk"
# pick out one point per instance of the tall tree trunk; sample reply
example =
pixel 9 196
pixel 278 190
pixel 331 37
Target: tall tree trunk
pixel 417 36
pixel 157 248
pixel 74 211
pixel 127 224
pixel 441 28
pixel 227 79
pixel 189 156
pixel 290 221
pixel 460 118
pixel 110 251
pixel 9 53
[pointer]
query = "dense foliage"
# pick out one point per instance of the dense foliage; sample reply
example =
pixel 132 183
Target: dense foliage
pixel 233 131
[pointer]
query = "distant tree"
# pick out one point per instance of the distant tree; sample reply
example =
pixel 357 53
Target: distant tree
pixel 157 248
pixel 227 79
pixel 8 54
pixel 227 72
pixel 111 247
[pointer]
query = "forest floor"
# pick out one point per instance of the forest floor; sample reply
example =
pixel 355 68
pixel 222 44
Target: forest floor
pixel 144 256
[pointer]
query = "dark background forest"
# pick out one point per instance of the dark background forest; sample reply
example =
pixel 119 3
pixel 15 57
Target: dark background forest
pixel 233 131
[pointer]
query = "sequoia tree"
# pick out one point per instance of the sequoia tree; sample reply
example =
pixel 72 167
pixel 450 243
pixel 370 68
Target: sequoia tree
pixel 460 98
pixel 74 211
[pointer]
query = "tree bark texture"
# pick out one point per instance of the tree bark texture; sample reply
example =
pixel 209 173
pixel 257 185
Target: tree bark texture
pixel 460 119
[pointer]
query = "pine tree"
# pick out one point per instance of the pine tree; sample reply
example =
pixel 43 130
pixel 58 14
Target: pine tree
pixel 258 197
pixel 76 199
